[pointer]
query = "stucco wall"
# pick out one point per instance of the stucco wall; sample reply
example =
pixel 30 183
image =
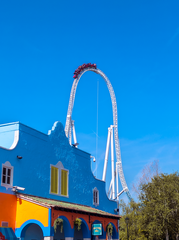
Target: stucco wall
pixel 8 209
pixel 38 151
pixel 32 211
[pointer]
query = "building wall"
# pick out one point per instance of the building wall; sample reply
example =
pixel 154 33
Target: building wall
pixel 8 209
pixel 32 216
pixel 27 210
pixel 38 151
pixel 34 220
pixel 88 219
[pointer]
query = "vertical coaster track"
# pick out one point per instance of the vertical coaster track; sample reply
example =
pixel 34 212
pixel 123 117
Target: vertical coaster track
pixel 115 119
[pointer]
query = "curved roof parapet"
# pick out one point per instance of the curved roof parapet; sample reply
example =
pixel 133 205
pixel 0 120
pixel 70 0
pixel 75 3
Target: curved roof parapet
pixel 57 130
pixel 9 135
pixel 53 127
pixel 16 140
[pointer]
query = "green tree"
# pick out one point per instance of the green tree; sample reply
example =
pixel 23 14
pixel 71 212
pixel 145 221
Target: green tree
pixel 133 212
pixel 159 201
pixel 156 215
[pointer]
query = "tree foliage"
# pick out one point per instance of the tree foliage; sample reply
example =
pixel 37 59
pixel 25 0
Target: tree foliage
pixel 133 212
pixel 156 215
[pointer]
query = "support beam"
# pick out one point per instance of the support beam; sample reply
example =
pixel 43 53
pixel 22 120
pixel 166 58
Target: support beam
pixel 106 155
pixel 117 183
pixel 112 162
pixel 125 189
pixel 70 137
pixel 74 133
pixel 110 194
pixel 110 186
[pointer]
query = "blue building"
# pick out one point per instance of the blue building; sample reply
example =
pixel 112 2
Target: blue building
pixel 47 188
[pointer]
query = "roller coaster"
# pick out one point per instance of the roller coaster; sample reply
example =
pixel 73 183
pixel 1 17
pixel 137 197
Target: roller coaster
pixel 69 129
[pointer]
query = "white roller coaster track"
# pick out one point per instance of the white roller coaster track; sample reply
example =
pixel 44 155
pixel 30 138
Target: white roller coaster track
pixel 115 121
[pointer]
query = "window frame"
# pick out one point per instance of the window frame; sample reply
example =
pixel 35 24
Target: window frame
pixel 95 197
pixel 7 165
pixel 60 167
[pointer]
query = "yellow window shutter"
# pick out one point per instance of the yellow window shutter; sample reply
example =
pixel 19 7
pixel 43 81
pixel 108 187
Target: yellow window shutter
pixel 64 182
pixel 54 180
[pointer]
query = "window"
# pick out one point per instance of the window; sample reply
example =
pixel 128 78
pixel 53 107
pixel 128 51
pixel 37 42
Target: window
pixel 54 180
pixel 95 197
pixel 64 182
pixel 7 175
pixel 59 180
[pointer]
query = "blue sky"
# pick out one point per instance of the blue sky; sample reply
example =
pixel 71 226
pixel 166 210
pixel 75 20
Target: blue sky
pixel 135 43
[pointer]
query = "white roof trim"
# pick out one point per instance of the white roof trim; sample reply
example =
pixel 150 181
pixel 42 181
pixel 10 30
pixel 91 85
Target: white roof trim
pixel 33 201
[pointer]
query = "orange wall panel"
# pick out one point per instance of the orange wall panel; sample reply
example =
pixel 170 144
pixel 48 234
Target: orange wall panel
pixel 8 209
pixel 28 210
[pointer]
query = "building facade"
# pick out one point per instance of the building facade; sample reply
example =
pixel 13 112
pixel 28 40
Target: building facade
pixel 47 188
